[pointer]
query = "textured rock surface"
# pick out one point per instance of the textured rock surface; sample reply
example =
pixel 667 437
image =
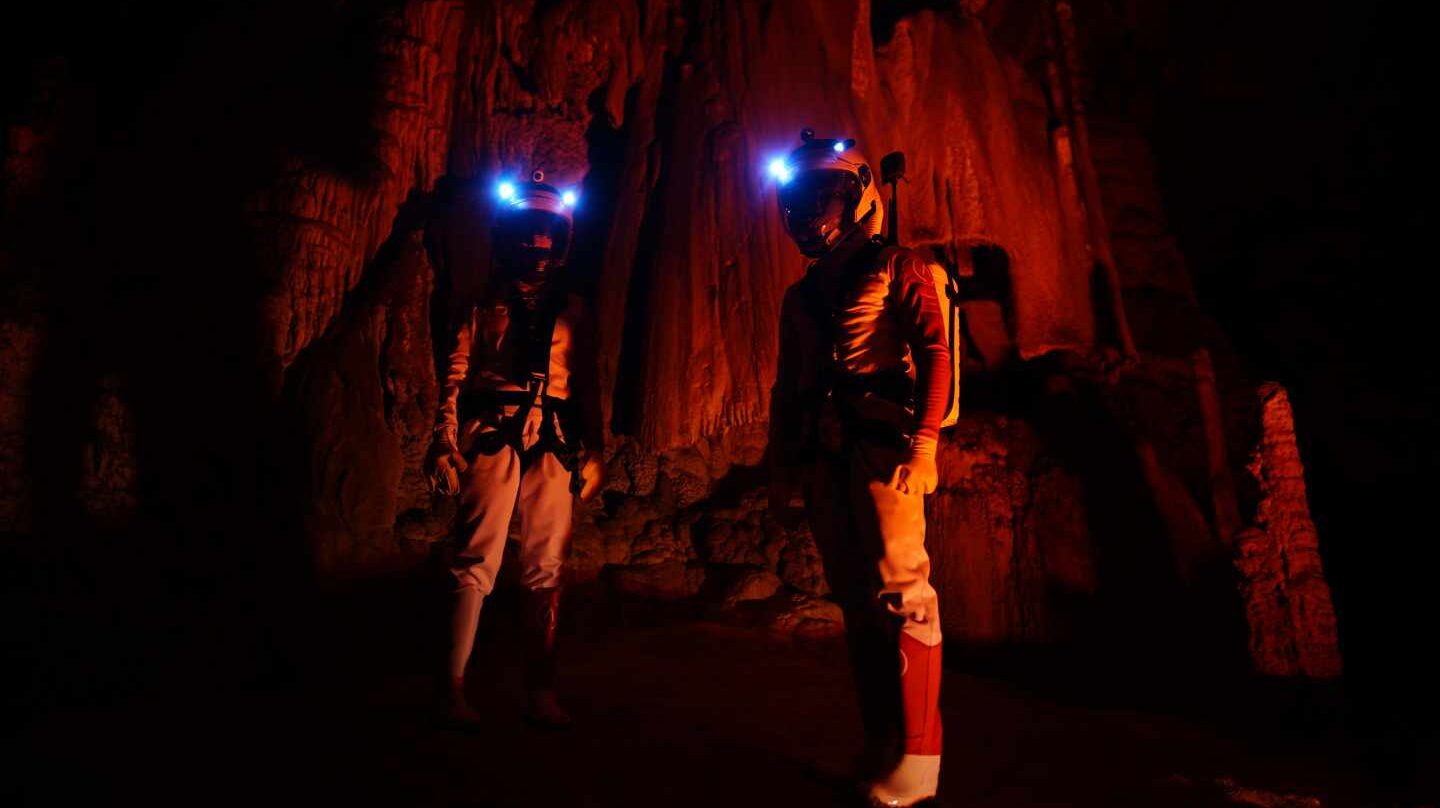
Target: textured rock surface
pixel 684 105
pixel 808 618
pixel 318 228
pixel 1007 533
pixel 1287 600
pixel 365 399
pixel 1067 484
pixel 971 122
pixel 754 585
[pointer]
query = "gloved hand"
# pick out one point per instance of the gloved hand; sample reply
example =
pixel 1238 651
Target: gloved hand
pixel 444 463
pixel 592 473
pixel 530 430
pixel 917 475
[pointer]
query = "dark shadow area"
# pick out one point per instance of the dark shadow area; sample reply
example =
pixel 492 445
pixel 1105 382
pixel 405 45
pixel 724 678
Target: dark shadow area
pixel 1138 591
pixel 1293 158
pixel 627 412
pixel 596 210
pixel 884 15
pixel 193 649
pixel 669 711
pixel 1146 638
pixel 147 278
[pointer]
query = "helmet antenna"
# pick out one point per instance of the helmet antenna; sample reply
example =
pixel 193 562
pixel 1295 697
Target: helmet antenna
pixel 892 170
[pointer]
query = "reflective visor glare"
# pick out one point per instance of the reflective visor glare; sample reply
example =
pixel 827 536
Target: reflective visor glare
pixel 812 193
pixel 536 230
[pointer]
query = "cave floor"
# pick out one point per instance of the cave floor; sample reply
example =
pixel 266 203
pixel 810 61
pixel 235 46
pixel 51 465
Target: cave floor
pixel 668 713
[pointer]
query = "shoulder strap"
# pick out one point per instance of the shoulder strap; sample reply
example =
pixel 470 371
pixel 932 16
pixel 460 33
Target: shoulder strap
pixel 887 255
pixel 536 335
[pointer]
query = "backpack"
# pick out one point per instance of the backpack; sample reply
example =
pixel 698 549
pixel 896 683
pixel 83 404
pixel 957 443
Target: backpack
pixel 947 292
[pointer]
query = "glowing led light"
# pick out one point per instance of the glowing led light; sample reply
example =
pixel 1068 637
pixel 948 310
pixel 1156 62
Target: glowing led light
pixel 570 198
pixel 781 171
pixel 505 190
pixel 839 146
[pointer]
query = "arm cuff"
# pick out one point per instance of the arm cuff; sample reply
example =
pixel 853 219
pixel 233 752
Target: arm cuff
pixel 923 447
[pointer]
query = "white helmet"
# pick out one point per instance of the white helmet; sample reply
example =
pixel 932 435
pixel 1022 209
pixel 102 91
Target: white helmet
pixel 826 189
pixel 533 227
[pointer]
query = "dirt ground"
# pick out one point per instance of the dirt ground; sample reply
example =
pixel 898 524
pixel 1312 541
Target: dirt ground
pixel 669 712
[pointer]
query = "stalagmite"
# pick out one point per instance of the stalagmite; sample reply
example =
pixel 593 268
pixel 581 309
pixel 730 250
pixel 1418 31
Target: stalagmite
pixel 1287 600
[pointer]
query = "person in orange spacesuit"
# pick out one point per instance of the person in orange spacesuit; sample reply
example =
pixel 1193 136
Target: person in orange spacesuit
pixel 865 379
pixel 519 425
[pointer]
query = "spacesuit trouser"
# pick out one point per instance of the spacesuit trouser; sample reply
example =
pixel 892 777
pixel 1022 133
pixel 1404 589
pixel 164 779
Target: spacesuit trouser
pixel 490 490
pixel 872 542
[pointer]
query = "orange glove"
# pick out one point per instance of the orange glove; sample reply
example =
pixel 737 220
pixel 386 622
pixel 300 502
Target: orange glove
pixel 592 474
pixel 444 463
pixel 917 475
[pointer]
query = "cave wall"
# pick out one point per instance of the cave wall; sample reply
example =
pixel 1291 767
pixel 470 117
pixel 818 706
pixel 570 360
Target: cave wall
pixel 688 262
pixel 1076 487
pixel 712 93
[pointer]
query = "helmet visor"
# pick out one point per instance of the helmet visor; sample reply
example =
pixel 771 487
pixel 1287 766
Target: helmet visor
pixel 817 200
pixel 529 238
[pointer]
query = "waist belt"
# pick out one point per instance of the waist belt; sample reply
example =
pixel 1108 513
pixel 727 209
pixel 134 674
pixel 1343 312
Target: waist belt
pixel 858 421
pixel 562 442
pixel 480 403
pixel 892 386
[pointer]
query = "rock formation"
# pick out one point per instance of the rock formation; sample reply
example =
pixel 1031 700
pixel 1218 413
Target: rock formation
pixel 1071 479
pixel 1292 621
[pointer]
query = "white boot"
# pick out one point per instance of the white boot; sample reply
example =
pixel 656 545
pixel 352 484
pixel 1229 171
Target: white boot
pixel 464 618
pixel 460 712
pixel 916 778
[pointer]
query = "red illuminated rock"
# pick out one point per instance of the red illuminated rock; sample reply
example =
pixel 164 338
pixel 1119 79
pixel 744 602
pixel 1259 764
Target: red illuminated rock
pixel 319 228
pixel 669 112
pixel 981 172
pixel 753 585
pixel 668 580
pixel 808 618
pixel 1287 600
pixel 1005 535
pixel 693 264
pixel 365 398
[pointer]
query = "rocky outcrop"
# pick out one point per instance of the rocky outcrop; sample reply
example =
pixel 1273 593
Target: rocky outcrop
pixel 1073 479
pixel 684 105
pixel 1007 533
pixel 666 114
pixel 317 229
pixel 364 399
pixel 1287 599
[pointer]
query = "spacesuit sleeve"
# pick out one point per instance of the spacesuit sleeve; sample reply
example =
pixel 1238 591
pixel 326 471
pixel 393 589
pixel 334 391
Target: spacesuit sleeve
pixel 587 380
pixel 925 325
pixel 457 368
pixel 785 426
